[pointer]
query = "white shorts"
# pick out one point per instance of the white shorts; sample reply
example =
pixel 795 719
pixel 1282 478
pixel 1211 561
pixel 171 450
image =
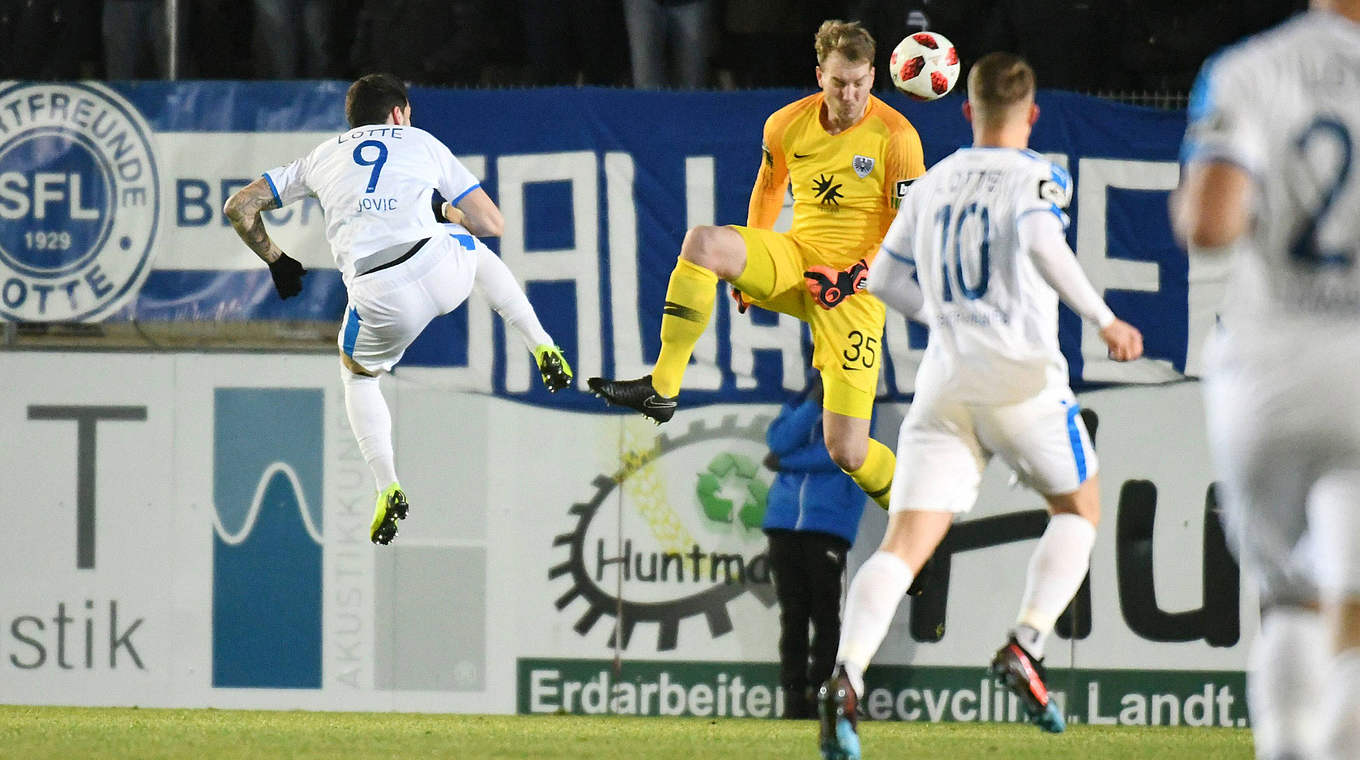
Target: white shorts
pixel 388 308
pixel 1284 431
pixel 945 445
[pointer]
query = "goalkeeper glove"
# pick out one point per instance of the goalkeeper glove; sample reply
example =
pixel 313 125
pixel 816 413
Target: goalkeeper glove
pixel 831 286
pixel 742 303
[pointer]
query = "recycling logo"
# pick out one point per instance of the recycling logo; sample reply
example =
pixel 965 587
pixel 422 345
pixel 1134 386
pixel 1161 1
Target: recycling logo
pixel 732 471
pixel 678 535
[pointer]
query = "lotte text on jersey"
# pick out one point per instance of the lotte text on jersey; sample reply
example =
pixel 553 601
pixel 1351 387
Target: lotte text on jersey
pixel 374 184
pixel 993 318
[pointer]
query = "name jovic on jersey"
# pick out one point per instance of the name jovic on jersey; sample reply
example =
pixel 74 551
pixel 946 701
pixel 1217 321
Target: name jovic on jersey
pixel 374 184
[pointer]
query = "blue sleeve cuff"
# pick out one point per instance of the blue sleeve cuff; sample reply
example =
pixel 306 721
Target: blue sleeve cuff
pixel 1051 209
pixel 464 194
pixel 273 189
pixel 1197 153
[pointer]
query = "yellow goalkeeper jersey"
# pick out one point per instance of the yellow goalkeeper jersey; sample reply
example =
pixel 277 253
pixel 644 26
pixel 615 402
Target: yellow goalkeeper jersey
pixel 846 187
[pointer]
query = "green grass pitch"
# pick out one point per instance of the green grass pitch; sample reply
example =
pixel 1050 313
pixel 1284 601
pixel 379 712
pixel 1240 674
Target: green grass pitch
pixel 66 732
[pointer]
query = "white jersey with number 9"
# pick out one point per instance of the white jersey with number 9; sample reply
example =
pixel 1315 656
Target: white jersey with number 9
pixel 374 184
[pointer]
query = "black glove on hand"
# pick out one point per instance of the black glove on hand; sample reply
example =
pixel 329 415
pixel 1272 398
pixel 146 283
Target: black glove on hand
pixel 287 274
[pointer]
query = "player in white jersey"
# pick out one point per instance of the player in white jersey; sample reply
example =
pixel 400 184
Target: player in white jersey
pixel 400 265
pixel 1271 172
pixel 982 232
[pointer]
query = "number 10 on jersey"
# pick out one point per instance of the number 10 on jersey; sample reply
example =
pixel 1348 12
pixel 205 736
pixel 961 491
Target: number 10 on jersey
pixel 952 253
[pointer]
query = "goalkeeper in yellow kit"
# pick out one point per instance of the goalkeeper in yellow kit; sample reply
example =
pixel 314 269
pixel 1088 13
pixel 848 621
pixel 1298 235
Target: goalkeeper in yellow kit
pixel 850 157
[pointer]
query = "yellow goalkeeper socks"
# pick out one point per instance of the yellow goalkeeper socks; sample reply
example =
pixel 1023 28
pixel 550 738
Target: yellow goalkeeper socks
pixel 875 476
pixel 689 304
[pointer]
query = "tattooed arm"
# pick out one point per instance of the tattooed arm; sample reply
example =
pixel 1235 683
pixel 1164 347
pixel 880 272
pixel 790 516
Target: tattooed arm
pixel 243 209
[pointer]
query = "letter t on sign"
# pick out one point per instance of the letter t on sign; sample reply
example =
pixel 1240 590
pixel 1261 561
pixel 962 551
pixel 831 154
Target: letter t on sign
pixel 86 418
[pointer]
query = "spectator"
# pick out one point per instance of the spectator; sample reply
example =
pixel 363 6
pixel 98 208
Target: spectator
pixel 760 37
pixel 426 41
pixel 215 41
pixel 48 39
pixel 682 28
pixel 811 518
pixel 1162 43
pixel 574 43
pixel 136 45
pixel 294 39
pixel 1067 42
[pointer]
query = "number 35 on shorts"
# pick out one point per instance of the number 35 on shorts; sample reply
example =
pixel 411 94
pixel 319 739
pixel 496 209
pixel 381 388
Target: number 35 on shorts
pixel 862 351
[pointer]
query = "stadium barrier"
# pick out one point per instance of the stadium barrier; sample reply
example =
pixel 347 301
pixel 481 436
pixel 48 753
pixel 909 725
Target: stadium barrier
pixel 112 197
pixel 190 523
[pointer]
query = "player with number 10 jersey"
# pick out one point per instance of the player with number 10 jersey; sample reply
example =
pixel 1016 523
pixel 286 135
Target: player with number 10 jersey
pixel 977 252
pixel 992 316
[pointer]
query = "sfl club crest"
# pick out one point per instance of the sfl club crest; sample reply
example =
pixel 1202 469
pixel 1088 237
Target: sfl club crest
pixel 79 201
pixel 688 540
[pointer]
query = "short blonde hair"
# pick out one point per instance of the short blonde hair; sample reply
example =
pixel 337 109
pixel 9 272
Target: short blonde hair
pixel 845 37
pixel 996 82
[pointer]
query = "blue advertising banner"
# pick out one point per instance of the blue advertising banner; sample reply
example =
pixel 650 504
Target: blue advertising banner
pixel 111 197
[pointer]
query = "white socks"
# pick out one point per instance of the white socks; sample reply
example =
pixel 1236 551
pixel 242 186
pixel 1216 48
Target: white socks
pixel 1285 677
pixel 875 592
pixel 502 291
pixel 1341 711
pixel 371 422
pixel 1056 569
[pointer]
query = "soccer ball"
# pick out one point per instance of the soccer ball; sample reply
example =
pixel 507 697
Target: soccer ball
pixel 925 66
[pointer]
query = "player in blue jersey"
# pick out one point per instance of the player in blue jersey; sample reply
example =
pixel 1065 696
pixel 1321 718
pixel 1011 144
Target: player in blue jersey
pixel 1271 173
pixel 400 266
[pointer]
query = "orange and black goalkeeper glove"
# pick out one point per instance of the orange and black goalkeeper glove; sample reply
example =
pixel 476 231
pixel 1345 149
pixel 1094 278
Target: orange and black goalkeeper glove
pixel 742 303
pixel 831 286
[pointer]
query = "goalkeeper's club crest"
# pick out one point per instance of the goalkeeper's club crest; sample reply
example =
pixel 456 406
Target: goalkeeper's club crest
pixel 862 165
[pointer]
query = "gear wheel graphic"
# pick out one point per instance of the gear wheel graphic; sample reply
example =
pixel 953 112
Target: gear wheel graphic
pixel 711 602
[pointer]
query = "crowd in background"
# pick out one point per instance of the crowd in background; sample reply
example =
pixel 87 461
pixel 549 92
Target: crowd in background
pixel 1085 45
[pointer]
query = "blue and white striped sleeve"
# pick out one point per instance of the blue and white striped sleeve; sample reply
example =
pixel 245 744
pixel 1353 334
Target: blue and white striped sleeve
pixel 1049 192
pixel 1221 117
pixel 455 181
pixel 289 182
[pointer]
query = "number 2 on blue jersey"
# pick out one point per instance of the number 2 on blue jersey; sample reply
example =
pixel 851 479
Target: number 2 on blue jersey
pixel 954 254
pixel 1305 248
pixel 376 163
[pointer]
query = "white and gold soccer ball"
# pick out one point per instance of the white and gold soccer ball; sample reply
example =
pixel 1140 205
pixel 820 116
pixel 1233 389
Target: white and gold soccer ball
pixel 924 66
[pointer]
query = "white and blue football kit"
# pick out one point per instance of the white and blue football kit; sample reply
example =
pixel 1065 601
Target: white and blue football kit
pixel 982 233
pixel 401 267
pixel 1281 391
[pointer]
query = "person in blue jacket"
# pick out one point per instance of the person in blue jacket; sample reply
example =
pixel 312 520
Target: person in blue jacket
pixel 811 517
